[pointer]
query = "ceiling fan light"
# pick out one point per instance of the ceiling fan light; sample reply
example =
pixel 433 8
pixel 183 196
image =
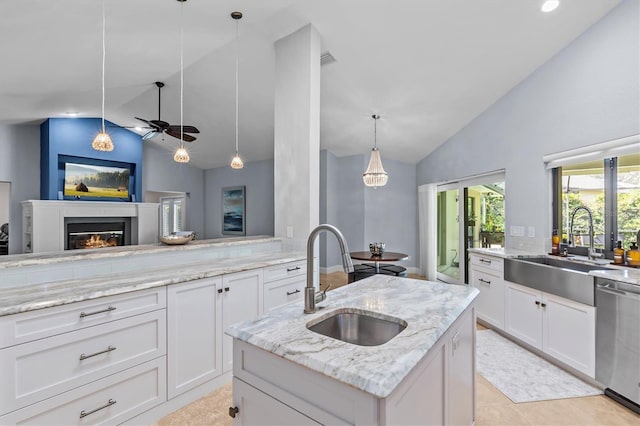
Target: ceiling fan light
pixel 181 155
pixel 102 142
pixel 236 162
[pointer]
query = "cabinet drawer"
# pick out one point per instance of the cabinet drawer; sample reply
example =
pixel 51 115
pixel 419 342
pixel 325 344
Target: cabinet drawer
pixel 28 326
pixel 44 368
pixel 278 293
pixel 286 270
pixel 488 262
pixel 111 400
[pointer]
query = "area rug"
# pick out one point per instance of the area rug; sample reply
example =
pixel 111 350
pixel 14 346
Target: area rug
pixel 523 376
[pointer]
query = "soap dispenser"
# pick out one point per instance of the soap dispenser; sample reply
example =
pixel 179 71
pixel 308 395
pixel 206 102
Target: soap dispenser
pixel 633 255
pixel 618 254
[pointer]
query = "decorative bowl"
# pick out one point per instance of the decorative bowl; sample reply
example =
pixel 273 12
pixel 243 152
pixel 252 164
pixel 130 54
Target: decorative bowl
pixel 376 249
pixel 177 239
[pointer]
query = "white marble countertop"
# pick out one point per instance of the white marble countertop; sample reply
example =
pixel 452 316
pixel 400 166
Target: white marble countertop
pixel 428 307
pixel 630 276
pixel 20 260
pixel 622 273
pixel 37 296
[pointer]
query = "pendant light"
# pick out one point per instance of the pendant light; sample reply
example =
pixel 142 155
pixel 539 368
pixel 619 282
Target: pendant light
pixel 181 155
pixel 375 175
pixel 102 141
pixel 236 162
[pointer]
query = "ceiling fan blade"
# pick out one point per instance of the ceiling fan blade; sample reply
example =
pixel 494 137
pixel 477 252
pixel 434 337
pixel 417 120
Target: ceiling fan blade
pixel 176 134
pixel 185 128
pixel 160 124
pixel 146 121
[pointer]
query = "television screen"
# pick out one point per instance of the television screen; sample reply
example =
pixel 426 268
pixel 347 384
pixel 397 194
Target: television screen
pixel 91 181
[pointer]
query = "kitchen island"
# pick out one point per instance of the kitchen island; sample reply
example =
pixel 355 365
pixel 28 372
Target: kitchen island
pixel 285 373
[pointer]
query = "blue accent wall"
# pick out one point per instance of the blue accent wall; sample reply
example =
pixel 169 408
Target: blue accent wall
pixel 71 137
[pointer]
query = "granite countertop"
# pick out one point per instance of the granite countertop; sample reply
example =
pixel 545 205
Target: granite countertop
pixel 37 296
pixel 428 307
pixel 21 260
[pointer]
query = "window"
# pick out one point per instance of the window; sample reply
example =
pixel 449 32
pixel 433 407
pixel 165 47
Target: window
pixel 173 214
pixel 610 188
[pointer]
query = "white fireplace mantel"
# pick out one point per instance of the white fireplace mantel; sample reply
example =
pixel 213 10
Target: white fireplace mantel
pixel 43 221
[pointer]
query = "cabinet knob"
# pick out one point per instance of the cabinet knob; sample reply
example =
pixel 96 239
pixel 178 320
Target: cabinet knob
pixel 544 305
pixel 538 302
pixel 233 411
pixel 219 290
pixel 226 289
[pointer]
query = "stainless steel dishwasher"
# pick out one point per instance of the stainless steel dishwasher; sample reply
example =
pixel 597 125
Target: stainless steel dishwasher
pixel 618 340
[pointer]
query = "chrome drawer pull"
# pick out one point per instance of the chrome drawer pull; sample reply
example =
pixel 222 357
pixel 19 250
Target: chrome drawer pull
pixel 484 281
pixel 293 269
pixel 108 404
pixel 109 349
pixel 289 293
pixel 109 309
pixel 485 261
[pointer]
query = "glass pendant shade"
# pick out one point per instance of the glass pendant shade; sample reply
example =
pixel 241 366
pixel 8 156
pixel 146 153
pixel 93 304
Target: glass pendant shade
pixel 375 175
pixel 181 155
pixel 102 142
pixel 236 162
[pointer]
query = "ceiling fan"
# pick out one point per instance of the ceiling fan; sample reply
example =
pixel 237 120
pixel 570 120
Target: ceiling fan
pixel 158 126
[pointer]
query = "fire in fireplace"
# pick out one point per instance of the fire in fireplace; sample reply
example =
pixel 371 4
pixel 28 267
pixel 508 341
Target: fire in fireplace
pixel 89 235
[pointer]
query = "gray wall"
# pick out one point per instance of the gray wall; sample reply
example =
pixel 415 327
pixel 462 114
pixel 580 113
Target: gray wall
pixel 160 173
pixel 20 165
pixel 257 177
pixel 588 93
pixel 363 214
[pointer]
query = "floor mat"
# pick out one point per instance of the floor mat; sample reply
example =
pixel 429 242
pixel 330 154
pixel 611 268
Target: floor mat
pixel 521 375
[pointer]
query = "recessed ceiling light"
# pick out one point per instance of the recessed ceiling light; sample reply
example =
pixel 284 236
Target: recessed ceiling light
pixel 72 113
pixel 550 5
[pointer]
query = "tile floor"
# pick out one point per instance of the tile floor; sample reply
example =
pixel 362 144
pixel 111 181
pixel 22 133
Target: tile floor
pixel 492 406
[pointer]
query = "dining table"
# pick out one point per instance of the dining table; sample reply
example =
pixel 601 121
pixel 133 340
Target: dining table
pixel 386 256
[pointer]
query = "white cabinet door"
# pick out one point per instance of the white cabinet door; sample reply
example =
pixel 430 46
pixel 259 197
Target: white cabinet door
pixel 242 299
pixel 523 316
pixel 569 332
pixel 257 408
pixel 194 334
pixel 461 369
pixel 490 302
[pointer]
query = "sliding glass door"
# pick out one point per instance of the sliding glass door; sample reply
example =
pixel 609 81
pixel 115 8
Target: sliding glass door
pixel 482 224
pixel 448 234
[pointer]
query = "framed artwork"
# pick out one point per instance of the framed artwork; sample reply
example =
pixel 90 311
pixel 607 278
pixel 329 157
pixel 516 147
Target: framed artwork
pixel 233 211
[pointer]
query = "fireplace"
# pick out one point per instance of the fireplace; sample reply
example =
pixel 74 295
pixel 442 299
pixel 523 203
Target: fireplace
pixel 91 233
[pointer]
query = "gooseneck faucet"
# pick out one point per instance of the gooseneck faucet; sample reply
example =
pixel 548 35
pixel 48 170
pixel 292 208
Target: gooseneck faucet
pixel 310 295
pixel 591 253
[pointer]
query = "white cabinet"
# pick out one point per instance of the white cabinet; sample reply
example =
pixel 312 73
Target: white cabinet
pixel 198 313
pixel 284 283
pixel 194 317
pixel 562 328
pixel 439 389
pixel 56 360
pixel 242 299
pixel 486 274
pixel 258 408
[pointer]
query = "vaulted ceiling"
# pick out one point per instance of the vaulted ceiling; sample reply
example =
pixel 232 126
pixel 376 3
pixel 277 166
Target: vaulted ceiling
pixel 426 67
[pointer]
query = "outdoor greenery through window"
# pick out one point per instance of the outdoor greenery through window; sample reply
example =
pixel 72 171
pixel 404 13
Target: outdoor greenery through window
pixel 610 188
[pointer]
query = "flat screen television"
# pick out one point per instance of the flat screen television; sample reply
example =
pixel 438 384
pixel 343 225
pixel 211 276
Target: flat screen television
pixel 95 182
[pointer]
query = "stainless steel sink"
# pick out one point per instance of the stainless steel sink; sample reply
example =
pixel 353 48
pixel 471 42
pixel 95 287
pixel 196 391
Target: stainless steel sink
pixel 556 276
pixel 358 327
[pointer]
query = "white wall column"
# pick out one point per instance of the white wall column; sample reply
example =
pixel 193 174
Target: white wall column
pixel 297 136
